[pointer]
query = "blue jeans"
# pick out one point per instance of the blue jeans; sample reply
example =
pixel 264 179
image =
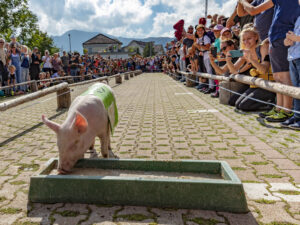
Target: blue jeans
pixel 295 77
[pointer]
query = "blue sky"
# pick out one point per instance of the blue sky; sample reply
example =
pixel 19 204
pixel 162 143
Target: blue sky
pixel 127 18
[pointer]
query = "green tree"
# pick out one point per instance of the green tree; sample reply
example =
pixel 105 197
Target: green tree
pixel 16 18
pixel 149 50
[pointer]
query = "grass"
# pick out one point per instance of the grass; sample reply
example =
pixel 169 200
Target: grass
pixel 238 168
pixel 259 163
pixel 18 182
pixel 2 199
pixel 221 149
pixel 284 144
pixel 69 213
pixel 230 157
pixel 240 145
pixel 28 167
pixel 202 221
pixel 272 176
pixel 185 157
pixel 265 201
pixel 289 140
pixel 289 192
pixel 163 153
pixel 248 153
pixel 250 181
pixel 10 210
pixel 204 153
pixel 134 217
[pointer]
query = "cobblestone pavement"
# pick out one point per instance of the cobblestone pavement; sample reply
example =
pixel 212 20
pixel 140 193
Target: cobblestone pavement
pixel 159 119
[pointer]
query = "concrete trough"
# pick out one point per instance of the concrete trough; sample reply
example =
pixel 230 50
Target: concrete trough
pixel 207 185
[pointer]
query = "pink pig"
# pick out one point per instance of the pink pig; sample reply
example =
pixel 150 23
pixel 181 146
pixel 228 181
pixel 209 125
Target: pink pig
pixel 87 119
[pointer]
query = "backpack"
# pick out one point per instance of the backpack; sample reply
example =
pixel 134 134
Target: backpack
pixel 211 36
pixel 25 62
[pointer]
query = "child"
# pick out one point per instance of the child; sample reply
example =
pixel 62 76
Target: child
pixel 11 79
pixel 293 39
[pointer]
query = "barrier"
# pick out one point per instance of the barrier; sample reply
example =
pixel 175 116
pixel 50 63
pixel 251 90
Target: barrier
pixel 259 82
pixel 63 90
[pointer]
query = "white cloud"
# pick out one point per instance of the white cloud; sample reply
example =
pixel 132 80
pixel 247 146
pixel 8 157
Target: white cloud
pixel 130 18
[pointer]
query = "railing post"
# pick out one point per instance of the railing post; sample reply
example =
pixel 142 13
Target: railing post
pixel 33 86
pixel 190 80
pixel 118 79
pixel 131 74
pixel 126 76
pixel 63 98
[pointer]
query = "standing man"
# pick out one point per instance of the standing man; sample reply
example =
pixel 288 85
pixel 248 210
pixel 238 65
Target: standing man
pixel 65 62
pixel 286 13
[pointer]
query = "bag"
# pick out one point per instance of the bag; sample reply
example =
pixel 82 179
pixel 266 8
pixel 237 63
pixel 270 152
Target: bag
pixel 25 63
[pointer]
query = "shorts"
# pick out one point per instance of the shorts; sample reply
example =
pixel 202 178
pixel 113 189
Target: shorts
pixel 278 56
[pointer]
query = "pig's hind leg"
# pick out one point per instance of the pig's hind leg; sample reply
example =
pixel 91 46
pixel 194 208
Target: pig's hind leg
pixel 104 146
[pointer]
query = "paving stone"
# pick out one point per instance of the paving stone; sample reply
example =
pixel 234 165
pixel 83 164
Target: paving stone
pixel 286 164
pixel 258 191
pixel 165 217
pixel 295 174
pixel 239 219
pixel 280 216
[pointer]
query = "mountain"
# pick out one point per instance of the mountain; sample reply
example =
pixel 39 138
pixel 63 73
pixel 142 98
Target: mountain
pixel 78 37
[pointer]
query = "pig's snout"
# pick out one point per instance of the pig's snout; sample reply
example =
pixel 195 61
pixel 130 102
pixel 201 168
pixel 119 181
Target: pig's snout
pixel 65 168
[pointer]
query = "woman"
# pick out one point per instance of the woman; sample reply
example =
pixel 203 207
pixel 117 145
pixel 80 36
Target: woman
pixel 47 62
pixel 56 63
pixel 202 44
pixel 25 63
pixel 257 62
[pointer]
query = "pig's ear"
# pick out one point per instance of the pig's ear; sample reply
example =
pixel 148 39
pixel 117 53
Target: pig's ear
pixel 52 125
pixel 80 123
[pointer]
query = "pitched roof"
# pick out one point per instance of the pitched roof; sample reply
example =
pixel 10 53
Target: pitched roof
pixel 101 39
pixel 141 43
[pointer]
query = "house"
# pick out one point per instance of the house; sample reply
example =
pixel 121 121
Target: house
pixel 159 50
pixel 136 47
pixel 105 46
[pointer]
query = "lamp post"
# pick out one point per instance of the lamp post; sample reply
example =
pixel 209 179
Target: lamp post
pixel 70 42
pixel 206 3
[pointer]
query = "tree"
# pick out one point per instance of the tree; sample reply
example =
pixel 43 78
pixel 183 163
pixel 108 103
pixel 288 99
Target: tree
pixel 149 50
pixel 16 18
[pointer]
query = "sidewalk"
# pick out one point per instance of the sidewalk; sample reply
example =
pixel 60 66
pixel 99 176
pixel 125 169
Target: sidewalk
pixel 159 119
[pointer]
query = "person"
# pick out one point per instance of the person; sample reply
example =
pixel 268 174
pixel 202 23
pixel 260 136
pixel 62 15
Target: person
pixel 25 63
pixel 262 21
pixel 35 64
pixel 56 63
pixel 293 40
pixel 286 13
pixel 11 79
pixel 47 59
pixel 257 59
pixel 202 44
pixel 217 32
pixel 3 68
pixel 15 58
pixel 65 62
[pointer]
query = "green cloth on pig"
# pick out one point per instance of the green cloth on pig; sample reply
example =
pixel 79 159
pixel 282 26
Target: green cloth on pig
pixel 101 91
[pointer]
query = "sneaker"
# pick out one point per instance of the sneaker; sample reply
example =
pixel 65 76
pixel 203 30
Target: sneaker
pixel 289 121
pixel 215 94
pixel 281 116
pixel 269 113
pixel 203 89
pixel 295 126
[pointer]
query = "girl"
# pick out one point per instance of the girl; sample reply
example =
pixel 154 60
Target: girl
pixel 257 62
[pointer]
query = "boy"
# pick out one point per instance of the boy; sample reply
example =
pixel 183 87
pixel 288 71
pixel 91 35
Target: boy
pixel 11 78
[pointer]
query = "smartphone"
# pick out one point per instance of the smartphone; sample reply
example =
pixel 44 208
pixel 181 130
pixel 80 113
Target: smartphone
pixel 236 53
pixel 213 51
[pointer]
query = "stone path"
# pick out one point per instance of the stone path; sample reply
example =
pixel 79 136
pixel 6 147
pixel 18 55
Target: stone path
pixel 159 119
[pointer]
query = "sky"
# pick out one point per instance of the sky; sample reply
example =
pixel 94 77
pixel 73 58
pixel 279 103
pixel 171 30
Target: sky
pixel 126 18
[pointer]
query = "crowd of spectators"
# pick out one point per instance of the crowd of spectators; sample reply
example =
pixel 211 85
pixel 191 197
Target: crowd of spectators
pixel 19 64
pixel 261 39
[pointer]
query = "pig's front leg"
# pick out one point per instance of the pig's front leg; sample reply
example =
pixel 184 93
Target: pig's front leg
pixel 104 146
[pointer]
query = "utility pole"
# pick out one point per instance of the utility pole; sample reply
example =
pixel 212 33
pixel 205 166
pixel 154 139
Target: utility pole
pixel 150 48
pixel 70 42
pixel 206 3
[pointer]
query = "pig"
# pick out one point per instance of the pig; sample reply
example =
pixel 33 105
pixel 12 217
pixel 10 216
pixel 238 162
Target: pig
pixel 87 119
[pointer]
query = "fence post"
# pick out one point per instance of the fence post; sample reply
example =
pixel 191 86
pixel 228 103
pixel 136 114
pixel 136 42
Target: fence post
pixel 63 98
pixel 33 86
pixel 190 80
pixel 131 74
pixel 118 79
pixel 126 76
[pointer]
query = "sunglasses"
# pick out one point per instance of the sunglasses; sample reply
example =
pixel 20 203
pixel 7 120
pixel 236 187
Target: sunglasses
pixel 224 48
pixel 1 42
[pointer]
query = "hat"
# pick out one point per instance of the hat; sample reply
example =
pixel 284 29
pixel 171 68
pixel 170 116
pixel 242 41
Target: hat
pixel 224 30
pixel 12 36
pixel 191 26
pixel 200 26
pixel 218 27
